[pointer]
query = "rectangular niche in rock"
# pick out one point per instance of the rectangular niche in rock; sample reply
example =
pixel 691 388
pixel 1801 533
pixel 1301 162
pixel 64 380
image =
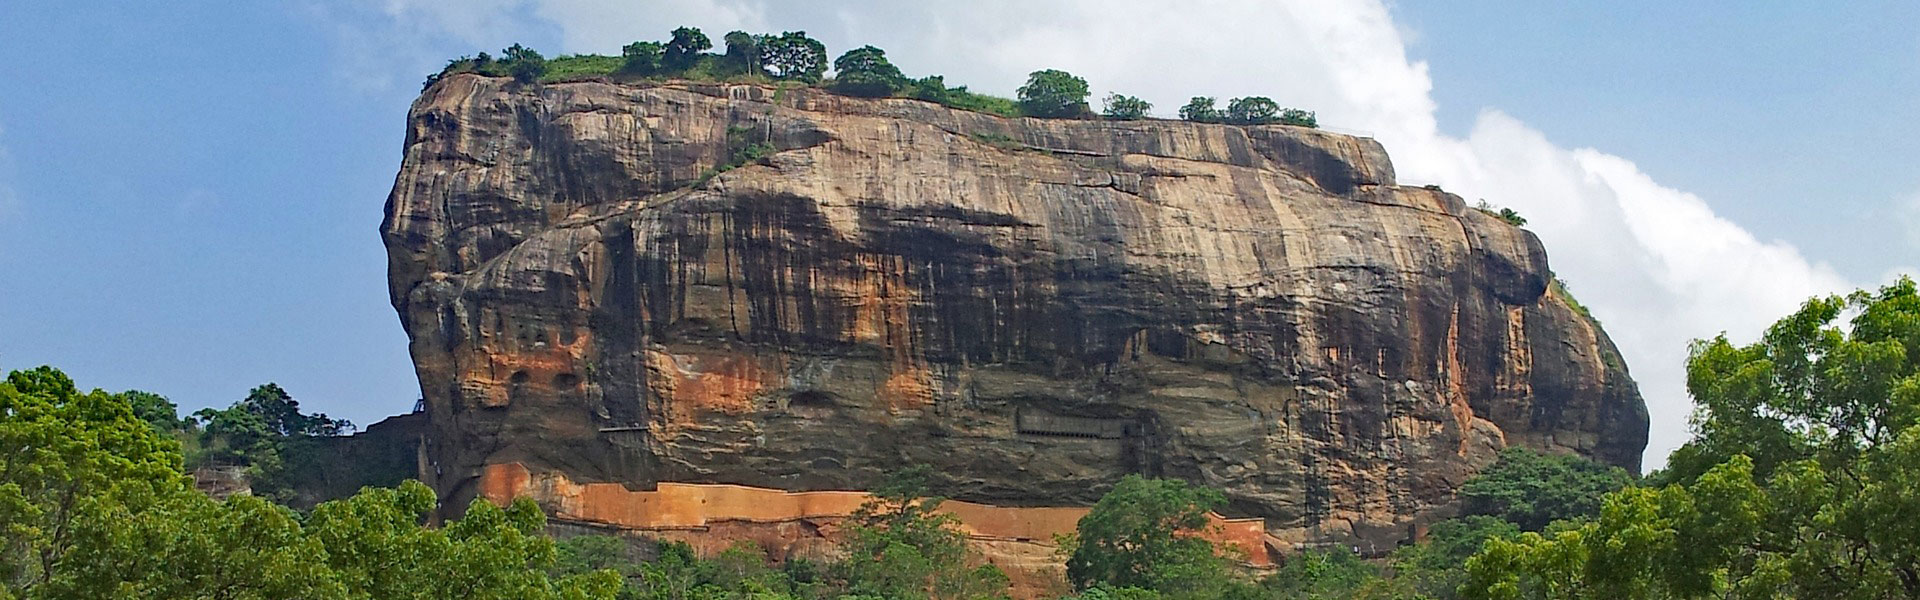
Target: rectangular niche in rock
pixel 1034 422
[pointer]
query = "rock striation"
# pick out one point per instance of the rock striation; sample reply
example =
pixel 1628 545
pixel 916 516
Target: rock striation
pixel 783 288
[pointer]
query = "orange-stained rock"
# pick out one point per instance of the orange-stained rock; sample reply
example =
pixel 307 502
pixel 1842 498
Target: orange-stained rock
pixel 693 506
pixel 714 517
pixel 1034 307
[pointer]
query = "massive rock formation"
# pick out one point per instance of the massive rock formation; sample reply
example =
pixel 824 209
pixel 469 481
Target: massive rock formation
pixel 1034 307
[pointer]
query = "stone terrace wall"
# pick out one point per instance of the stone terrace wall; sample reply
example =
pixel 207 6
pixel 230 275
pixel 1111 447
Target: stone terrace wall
pixel 688 506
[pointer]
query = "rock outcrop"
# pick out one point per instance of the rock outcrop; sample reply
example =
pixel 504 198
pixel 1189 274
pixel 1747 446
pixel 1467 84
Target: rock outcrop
pixel 711 283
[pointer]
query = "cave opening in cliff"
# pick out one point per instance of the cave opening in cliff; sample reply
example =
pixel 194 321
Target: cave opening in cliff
pixel 810 399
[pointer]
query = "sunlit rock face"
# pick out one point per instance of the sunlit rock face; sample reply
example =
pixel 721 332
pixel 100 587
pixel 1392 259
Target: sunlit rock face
pixel 1033 307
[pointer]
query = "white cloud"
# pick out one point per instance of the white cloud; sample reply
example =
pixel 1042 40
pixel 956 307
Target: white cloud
pixel 1655 264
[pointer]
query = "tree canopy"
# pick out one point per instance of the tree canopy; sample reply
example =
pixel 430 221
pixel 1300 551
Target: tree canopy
pixel 1201 109
pixel 1054 93
pixel 1141 535
pixel 1252 110
pixel 793 55
pixel 524 64
pixel 743 53
pixel 864 71
pixel 1531 489
pixel 683 49
pixel 1124 108
pixel 1802 480
pixel 93 504
pixel 641 58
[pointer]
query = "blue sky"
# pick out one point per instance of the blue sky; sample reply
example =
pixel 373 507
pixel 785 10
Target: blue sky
pixel 1798 120
pixel 190 193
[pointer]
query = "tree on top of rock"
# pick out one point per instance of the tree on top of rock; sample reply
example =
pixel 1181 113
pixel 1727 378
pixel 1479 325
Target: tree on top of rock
pixel 743 53
pixel 641 58
pixel 684 49
pixel 864 71
pixel 1201 110
pixel 1125 108
pixel 1252 110
pixel 524 63
pixel 1055 94
pixel 793 55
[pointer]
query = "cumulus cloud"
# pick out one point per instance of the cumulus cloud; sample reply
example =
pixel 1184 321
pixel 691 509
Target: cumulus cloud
pixel 1656 265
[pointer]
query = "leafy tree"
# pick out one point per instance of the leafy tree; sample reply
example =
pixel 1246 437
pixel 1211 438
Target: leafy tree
pixel 250 431
pixel 641 58
pixel 1432 566
pixel 1102 592
pixel 864 71
pixel 1802 480
pixel 743 53
pixel 93 505
pixel 1673 542
pixel 1299 118
pixel 267 433
pixel 1124 108
pixel 156 409
pixel 1252 110
pixel 793 55
pixel 899 546
pixel 1320 575
pixel 375 542
pixel 932 88
pixel 1808 390
pixel 190 546
pixel 524 64
pixel 1200 109
pixel 1531 489
pixel 69 462
pixel 1054 93
pixel 1142 534
pixel 683 50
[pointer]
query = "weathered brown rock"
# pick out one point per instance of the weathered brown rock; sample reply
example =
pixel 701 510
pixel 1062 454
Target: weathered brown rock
pixel 1034 307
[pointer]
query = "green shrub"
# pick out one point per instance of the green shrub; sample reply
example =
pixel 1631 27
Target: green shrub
pixel 997 140
pixel 1559 288
pixel 524 64
pixel 1124 108
pixel 1320 575
pixel 1298 118
pixel 961 98
pixel 1200 109
pixel 1512 217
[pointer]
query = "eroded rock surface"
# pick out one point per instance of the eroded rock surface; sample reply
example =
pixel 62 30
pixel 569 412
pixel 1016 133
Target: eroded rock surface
pixel 1034 307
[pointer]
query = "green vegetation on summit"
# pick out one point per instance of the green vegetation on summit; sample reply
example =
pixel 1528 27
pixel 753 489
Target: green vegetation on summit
pixel 794 58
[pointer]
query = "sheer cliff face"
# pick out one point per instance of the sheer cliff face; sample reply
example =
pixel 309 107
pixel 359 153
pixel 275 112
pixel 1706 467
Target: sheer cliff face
pixel 1033 307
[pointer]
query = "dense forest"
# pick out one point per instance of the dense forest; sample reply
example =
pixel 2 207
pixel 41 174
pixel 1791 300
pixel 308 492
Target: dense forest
pixel 1802 481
